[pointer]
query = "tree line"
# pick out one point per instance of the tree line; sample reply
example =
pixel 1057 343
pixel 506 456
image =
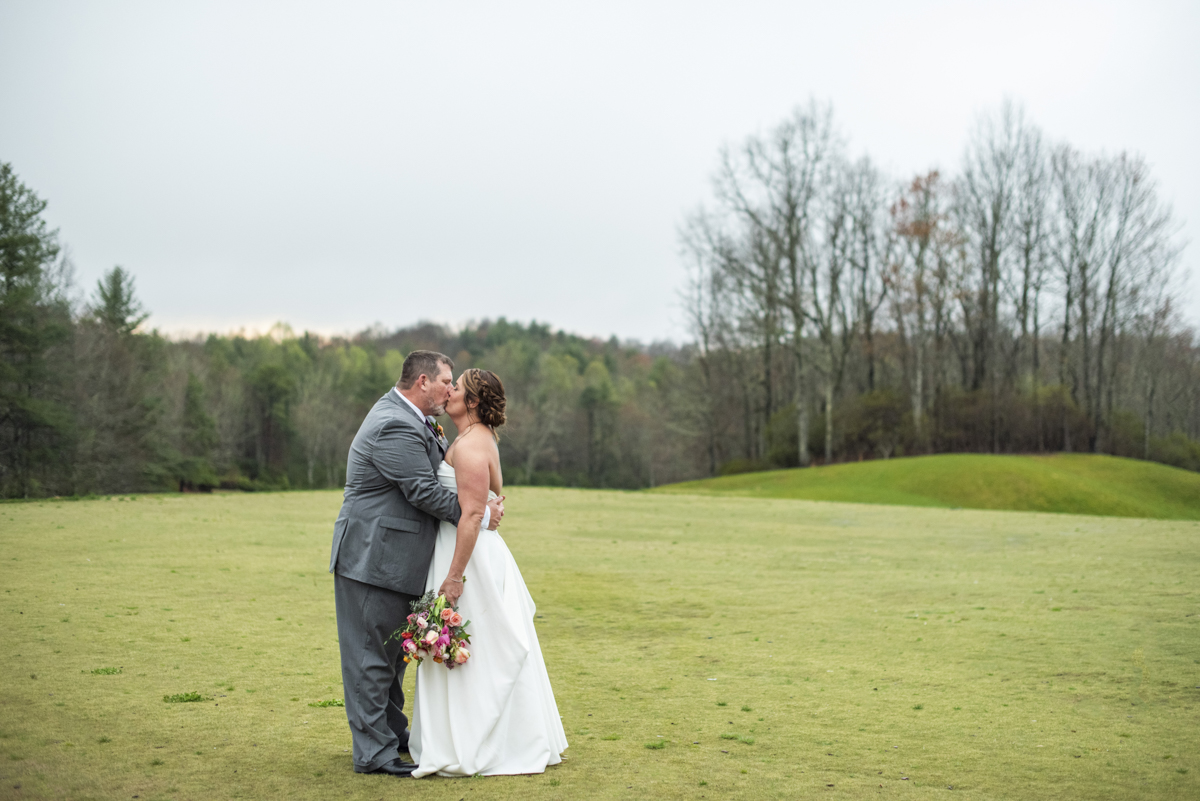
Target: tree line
pixel 92 402
pixel 1025 303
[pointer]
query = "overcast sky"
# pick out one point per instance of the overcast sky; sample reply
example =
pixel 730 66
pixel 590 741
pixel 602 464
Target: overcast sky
pixel 340 164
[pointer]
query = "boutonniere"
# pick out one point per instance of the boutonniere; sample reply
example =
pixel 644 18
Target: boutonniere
pixel 437 429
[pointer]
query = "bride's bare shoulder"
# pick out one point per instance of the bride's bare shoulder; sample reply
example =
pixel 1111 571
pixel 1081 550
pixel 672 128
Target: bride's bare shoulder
pixel 473 445
pixel 482 442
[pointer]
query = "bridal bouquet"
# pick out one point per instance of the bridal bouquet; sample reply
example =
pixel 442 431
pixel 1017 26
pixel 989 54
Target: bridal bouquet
pixel 435 629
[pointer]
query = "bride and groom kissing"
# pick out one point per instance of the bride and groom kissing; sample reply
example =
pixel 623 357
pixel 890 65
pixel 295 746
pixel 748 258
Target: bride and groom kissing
pixel 420 515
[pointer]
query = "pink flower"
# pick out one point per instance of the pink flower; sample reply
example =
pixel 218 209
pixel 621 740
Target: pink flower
pixel 462 656
pixel 412 617
pixel 431 636
pixel 447 613
pixel 456 619
pixel 410 646
pixel 421 623
pixel 443 641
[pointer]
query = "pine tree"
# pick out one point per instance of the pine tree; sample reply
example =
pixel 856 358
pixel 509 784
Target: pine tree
pixel 116 306
pixel 33 320
pixel 199 439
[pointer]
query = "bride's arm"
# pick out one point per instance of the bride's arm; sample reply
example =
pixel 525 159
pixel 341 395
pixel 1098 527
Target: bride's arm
pixel 473 477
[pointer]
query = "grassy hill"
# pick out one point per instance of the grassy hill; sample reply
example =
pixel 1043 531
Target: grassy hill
pixel 1072 483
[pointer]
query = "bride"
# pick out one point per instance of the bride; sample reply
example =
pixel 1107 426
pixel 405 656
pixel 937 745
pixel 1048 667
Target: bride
pixel 496 713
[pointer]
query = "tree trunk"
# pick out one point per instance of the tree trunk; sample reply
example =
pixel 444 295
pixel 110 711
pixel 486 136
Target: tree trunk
pixel 530 463
pixel 1149 419
pixel 918 386
pixel 801 405
pixel 1062 369
pixel 711 419
pixel 1036 375
pixel 829 421
pixel 869 336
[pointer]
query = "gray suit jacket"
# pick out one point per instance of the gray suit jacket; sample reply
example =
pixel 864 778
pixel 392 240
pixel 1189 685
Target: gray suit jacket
pixel 386 530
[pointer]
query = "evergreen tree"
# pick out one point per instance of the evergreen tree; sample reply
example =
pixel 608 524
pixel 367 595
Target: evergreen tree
pixel 198 440
pixel 116 306
pixel 125 437
pixel 33 320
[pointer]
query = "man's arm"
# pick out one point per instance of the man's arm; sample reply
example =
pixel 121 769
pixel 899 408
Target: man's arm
pixel 400 456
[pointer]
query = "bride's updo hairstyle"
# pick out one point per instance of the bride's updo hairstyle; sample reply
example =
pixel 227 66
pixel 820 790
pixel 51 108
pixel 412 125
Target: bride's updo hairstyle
pixel 484 393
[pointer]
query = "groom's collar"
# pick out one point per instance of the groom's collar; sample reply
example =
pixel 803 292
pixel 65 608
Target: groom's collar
pixel 410 404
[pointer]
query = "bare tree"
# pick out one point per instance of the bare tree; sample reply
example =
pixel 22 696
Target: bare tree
pixel 772 186
pixel 829 266
pixel 1114 248
pixel 737 283
pixel 1152 326
pixel 985 201
pixel 1139 256
pixel 919 279
pixel 872 251
pixel 1031 237
pixel 707 305
pixel 1083 196
pixel 971 270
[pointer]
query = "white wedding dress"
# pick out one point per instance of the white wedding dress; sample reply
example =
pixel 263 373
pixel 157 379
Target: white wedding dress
pixel 494 715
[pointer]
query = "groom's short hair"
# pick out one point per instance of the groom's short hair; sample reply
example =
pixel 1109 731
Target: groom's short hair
pixel 422 362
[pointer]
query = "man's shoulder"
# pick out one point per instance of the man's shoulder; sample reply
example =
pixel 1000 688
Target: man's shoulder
pixel 389 419
pixel 390 408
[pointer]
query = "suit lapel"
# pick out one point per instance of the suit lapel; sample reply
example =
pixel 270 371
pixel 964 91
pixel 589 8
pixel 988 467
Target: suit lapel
pixel 422 422
pixel 441 441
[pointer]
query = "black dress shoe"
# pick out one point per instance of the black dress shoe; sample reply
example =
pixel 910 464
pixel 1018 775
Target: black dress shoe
pixel 397 767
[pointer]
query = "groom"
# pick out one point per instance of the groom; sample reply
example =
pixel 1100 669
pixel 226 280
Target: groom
pixel 382 545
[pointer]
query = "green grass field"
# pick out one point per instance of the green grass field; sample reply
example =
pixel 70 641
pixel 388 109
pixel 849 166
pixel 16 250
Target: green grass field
pixel 1071 483
pixel 699 647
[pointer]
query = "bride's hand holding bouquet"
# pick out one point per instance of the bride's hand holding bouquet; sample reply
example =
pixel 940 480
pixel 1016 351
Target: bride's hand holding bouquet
pixel 436 630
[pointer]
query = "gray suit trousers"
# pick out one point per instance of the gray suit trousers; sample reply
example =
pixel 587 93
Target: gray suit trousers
pixel 372 669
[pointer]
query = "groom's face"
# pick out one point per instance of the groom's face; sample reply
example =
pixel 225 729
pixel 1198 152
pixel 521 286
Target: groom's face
pixel 437 392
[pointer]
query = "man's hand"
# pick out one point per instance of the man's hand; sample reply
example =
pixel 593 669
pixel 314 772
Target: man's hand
pixel 497 507
pixel 452 590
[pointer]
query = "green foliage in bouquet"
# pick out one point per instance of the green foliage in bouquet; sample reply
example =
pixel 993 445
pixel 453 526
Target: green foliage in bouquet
pixel 435 631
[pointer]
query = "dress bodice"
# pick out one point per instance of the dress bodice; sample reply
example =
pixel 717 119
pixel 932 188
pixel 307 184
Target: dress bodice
pixel 448 480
